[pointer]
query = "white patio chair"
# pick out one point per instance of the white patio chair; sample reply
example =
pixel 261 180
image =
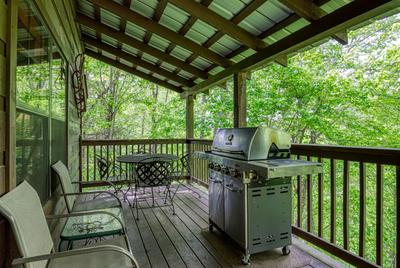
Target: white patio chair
pixel 104 199
pixel 22 208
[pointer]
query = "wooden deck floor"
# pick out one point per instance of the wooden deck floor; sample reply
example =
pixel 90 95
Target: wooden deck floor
pixel 160 239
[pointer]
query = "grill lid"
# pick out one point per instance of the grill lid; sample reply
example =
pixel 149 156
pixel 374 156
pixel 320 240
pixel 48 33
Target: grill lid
pixel 251 143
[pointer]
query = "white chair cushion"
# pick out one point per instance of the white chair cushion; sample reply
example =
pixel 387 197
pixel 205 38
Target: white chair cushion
pixel 102 259
pixel 66 184
pixel 23 210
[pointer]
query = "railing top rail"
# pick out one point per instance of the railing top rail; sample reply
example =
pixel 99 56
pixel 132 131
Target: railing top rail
pixel 389 156
pixel 132 142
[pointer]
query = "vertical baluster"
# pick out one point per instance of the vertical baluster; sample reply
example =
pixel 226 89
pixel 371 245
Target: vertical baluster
pixel 119 163
pixel 309 200
pixel 298 199
pixel 94 162
pixel 108 158
pixel 361 246
pixel 397 214
pixel 346 185
pixel 379 214
pixel 87 163
pixel 320 202
pixel 113 159
pixel 333 200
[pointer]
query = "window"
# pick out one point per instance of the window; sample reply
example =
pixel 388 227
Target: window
pixel 41 113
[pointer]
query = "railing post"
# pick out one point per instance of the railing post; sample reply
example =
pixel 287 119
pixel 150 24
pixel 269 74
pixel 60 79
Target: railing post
pixel 239 100
pixel 397 216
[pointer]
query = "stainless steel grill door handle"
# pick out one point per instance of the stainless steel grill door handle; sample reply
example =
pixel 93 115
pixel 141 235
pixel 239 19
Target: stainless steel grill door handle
pixel 230 188
pixel 214 181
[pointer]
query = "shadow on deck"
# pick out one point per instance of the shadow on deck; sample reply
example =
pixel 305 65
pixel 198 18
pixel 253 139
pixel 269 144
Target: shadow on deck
pixel 160 239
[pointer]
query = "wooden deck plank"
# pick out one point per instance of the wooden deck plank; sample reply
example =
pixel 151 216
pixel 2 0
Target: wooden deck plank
pixel 192 232
pixel 135 238
pixel 178 239
pixel 168 249
pixel 161 239
pixel 153 250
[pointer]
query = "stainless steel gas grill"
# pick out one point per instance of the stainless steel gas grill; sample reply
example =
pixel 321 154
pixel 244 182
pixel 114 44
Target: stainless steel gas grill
pixel 250 196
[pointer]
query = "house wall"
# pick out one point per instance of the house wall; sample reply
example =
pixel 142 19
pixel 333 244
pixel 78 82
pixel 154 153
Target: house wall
pixel 3 43
pixel 59 17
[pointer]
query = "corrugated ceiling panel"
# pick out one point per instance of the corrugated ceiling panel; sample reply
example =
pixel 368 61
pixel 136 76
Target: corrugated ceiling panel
pixel 88 30
pixel 130 49
pixel 174 83
pixel 86 8
pixel 168 66
pixel 274 11
pixel 149 58
pixel 109 40
pixel 256 23
pixel 145 8
pixel 203 28
pixel 181 53
pixel 142 70
pixel 108 55
pixel 176 13
pixel 216 70
pixel 229 42
pixel 170 23
pixel 220 49
pixel 196 37
pixel 226 8
pixel 334 4
pixel 110 19
pixel 127 63
pixel 201 63
pixel 185 74
pixel 158 76
pixel 91 48
pixel 135 31
pixel 159 42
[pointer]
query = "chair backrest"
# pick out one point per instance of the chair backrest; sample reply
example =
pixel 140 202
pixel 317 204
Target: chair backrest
pixel 66 184
pixel 153 172
pixel 22 208
pixel 185 164
pixel 104 167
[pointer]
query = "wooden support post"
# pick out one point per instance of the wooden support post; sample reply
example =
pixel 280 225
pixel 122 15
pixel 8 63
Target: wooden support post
pixel 189 117
pixel 239 100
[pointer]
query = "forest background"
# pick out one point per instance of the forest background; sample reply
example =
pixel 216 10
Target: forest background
pixel 330 94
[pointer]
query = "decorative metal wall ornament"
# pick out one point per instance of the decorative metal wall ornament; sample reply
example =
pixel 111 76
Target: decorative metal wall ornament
pixel 79 84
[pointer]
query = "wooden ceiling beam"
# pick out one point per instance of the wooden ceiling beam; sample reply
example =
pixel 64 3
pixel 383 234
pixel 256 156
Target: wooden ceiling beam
pixel 131 70
pixel 156 17
pixel 311 12
pixel 135 60
pixel 91 23
pixel 226 26
pixel 341 19
pixel 162 31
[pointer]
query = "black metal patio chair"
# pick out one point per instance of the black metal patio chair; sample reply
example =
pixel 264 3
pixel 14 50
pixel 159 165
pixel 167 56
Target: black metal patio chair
pixel 182 174
pixel 114 175
pixel 151 173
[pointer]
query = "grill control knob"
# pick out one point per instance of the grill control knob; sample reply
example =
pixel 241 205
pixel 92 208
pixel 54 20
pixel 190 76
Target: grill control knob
pixel 225 170
pixel 211 166
pixel 252 175
pixel 217 167
pixel 237 173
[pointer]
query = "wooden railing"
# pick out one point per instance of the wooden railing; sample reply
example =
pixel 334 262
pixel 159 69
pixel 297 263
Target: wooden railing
pixel 111 149
pixel 350 210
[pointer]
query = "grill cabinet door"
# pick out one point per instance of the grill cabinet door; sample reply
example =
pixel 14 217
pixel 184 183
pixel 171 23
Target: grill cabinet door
pixel 216 199
pixel 234 210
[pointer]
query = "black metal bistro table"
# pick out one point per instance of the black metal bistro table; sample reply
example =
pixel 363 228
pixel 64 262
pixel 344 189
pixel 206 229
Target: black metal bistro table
pixel 133 159
pixel 136 158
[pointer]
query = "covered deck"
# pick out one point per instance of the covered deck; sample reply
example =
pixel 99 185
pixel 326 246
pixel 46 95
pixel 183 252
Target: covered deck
pixel 160 239
pixel 190 47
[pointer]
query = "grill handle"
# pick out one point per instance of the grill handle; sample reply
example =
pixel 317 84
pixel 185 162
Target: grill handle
pixel 234 190
pixel 227 151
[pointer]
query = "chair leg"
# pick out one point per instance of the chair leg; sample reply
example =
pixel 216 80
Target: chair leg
pixel 171 198
pixel 152 196
pixel 136 204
